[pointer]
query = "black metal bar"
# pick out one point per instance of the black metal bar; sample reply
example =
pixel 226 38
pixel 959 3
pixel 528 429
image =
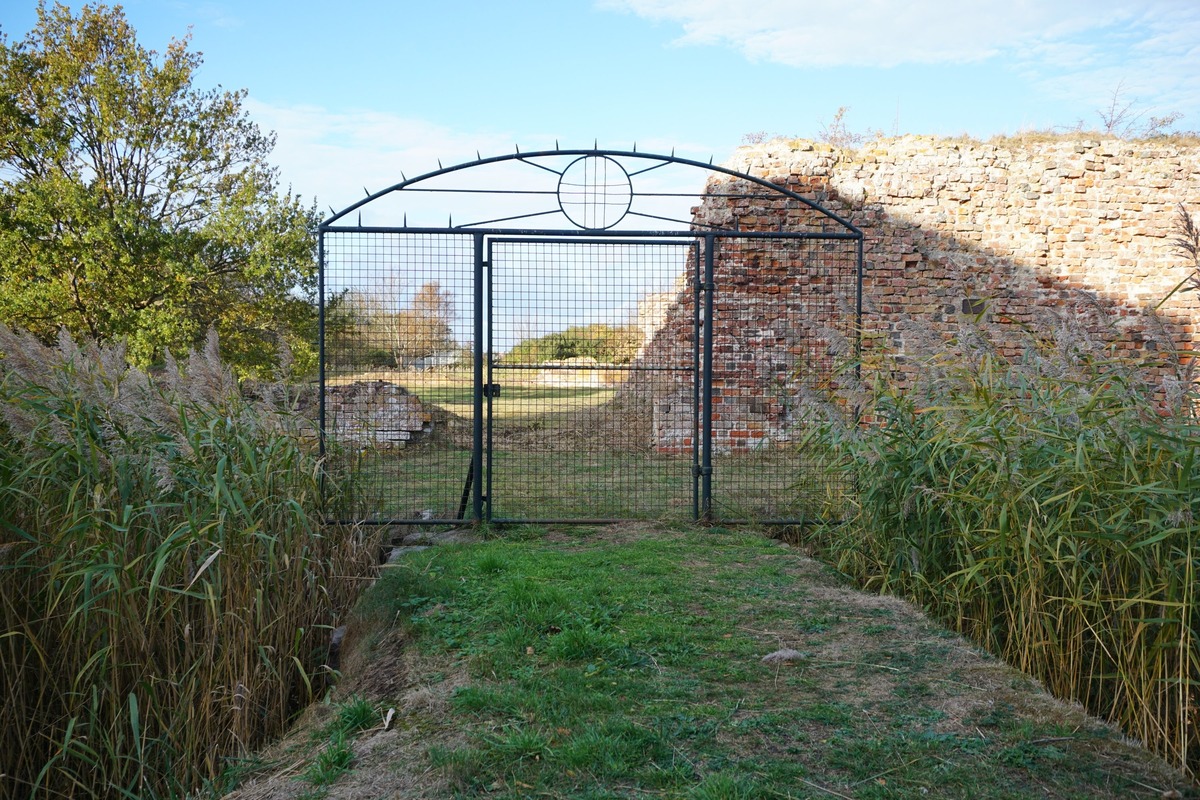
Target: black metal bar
pixel 858 305
pixel 549 193
pixel 488 393
pixel 558 520
pixel 531 215
pixel 710 244
pixel 323 479
pixel 696 379
pixel 477 420
pixel 466 492
pixel 596 368
pixel 557 235
pixel 569 521
pixel 590 239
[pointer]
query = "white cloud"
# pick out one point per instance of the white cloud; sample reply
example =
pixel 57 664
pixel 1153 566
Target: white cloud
pixel 883 33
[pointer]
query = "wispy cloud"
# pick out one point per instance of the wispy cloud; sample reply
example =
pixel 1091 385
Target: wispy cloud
pixel 1070 49
pixel 216 14
pixel 878 33
pixel 337 156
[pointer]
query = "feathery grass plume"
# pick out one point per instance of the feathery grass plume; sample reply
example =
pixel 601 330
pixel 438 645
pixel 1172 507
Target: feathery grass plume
pixel 166 587
pixel 1046 506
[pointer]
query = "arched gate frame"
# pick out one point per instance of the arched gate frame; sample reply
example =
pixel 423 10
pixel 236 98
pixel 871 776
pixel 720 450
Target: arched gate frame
pixel 591 336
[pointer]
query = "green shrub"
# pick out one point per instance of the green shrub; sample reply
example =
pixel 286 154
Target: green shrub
pixel 166 587
pixel 1049 508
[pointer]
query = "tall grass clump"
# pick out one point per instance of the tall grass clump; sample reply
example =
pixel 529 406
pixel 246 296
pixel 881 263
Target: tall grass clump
pixel 166 589
pixel 1047 506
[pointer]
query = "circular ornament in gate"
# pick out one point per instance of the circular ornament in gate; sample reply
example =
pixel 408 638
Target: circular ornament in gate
pixel 594 192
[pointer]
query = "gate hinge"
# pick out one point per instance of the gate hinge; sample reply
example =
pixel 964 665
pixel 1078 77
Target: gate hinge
pixel 491 390
pixel 698 471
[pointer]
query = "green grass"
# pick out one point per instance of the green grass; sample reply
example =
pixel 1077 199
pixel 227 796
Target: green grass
pixel 587 485
pixel 569 453
pixel 335 757
pixel 627 665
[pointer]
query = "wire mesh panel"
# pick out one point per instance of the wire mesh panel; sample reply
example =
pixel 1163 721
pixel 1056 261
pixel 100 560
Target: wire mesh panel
pixel 398 372
pixel 783 321
pixel 571 429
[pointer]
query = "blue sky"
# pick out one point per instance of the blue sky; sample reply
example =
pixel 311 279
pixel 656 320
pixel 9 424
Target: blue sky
pixel 362 89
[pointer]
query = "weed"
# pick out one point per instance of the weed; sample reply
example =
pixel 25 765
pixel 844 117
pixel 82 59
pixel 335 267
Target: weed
pixel 1046 506
pixel 723 786
pixel 333 761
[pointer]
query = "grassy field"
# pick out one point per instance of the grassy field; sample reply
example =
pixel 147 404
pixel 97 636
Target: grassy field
pixel 628 662
pixel 567 453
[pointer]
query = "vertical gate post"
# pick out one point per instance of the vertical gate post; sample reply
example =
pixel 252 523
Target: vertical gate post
pixel 697 379
pixel 477 363
pixel 710 243
pixel 321 366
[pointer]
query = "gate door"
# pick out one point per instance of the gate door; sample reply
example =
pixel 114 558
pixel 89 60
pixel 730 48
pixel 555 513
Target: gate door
pixel 576 362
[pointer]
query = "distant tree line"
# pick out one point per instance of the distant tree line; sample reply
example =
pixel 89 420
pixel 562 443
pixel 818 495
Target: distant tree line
pixel 608 344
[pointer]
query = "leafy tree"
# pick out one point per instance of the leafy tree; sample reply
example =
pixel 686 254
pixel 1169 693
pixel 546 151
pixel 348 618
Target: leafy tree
pixel 608 344
pixel 425 327
pixel 135 206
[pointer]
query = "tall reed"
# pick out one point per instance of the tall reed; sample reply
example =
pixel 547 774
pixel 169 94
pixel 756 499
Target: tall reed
pixel 1048 507
pixel 166 589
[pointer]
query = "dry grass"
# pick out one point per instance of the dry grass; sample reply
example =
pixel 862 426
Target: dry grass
pixel 167 588
pixel 1049 509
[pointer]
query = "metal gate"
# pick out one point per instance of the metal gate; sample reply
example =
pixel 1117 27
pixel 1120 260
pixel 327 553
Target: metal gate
pixel 597 341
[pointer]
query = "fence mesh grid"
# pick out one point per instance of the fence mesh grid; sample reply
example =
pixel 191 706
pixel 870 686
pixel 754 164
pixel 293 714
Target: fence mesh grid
pixel 399 390
pixel 594 346
pixel 784 312
pixel 571 433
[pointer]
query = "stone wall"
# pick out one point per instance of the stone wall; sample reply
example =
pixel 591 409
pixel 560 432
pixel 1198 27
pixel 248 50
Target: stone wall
pixel 1018 235
pixel 1028 231
pixel 376 414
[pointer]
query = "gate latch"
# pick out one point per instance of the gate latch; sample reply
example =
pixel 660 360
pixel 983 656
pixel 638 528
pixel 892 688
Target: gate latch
pixel 491 390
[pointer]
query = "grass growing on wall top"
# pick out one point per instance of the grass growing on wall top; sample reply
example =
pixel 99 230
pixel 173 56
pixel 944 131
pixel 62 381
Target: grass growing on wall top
pixel 166 591
pixel 1049 508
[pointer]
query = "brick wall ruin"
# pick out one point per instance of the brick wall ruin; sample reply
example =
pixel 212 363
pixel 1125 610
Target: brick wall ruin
pixel 1021 234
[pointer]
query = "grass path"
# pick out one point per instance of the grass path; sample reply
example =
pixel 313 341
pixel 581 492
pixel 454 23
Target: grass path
pixel 627 662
